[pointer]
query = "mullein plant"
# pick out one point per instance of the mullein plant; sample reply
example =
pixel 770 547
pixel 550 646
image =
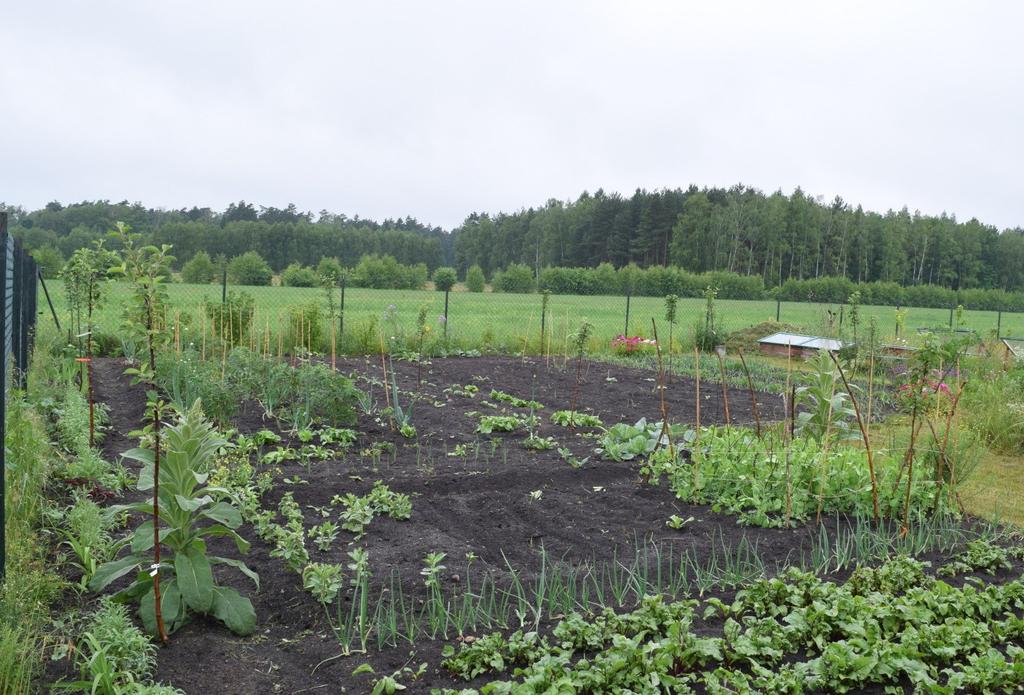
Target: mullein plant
pixel 185 513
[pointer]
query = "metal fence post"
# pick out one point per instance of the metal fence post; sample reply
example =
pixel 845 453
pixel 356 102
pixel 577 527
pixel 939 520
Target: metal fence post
pixel 49 301
pixel 543 323
pixel 30 294
pixel 629 294
pixel 17 314
pixel 999 325
pixel 778 310
pixel 341 310
pixel 446 314
pixel 950 318
pixel 224 285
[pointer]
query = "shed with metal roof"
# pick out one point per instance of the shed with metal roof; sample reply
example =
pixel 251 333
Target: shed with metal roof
pixel 784 344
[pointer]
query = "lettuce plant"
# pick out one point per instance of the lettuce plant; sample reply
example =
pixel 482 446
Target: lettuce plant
pixel 190 512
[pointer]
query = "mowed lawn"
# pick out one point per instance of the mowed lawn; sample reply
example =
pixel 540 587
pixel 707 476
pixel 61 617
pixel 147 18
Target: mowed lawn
pixel 507 321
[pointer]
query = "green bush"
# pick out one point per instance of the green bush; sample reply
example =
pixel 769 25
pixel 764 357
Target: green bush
pixel 329 396
pixel 49 259
pixel 232 319
pixel 199 270
pixel 444 279
pixel 249 269
pixel 475 280
pixel 384 272
pixel 516 278
pixel 298 275
pixel 329 271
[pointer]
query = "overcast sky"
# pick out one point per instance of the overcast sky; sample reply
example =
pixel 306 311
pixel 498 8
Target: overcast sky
pixel 438 109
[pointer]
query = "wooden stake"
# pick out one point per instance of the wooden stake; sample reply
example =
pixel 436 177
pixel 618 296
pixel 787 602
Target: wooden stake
pixel 827 439
pixel 753 397
pixel 725 388
pixel 864 433
pixel 696 354
pixel 666 429
pixel 223 349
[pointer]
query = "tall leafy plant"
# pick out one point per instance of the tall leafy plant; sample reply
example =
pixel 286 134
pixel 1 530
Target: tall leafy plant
pixel 706 334
pixel 825 409
pixel 84 278
pixel 190 511
pixel 145 315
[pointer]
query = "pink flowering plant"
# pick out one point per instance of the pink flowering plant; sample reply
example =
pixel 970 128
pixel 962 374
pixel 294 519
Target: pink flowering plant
pixel 925 392
pixel 932 370
pixel 623 345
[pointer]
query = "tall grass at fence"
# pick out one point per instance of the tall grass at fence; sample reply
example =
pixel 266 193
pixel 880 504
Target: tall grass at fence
pixel 29 585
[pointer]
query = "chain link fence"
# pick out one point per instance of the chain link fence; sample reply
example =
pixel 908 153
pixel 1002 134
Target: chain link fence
pixel 342 319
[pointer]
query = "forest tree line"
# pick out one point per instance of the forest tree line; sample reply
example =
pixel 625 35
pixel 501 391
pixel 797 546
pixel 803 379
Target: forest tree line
pixel 742 230
pixel 774 237
pixel 280 236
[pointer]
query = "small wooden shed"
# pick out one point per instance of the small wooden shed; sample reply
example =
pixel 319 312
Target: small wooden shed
pixel 783 344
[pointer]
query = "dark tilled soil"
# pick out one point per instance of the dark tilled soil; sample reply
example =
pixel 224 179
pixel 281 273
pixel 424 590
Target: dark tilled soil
pixel 479 503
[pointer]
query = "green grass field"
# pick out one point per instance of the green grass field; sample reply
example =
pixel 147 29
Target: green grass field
pixel 507 321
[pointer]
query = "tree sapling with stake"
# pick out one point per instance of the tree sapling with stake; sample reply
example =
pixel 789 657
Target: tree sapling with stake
pixel 579 344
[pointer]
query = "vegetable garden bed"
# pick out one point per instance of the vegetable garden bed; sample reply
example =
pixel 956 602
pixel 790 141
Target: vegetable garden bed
pixel 515 523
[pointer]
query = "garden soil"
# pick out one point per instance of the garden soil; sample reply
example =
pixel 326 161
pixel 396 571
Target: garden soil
pixel 500 502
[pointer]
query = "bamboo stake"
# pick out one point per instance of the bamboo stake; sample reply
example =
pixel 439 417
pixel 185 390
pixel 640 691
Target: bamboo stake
pixel 824 453
pixel 280 338
pixel 223 349
pixel 696 353
pixel 871 385
pixel 725 389
pixel 695 455
pixel 864 433
pixel 753 397
pixel 666 429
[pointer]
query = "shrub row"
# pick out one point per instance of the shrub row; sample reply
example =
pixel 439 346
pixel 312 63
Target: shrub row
pixel 384 272
pixel 656 281
pixel 839 289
